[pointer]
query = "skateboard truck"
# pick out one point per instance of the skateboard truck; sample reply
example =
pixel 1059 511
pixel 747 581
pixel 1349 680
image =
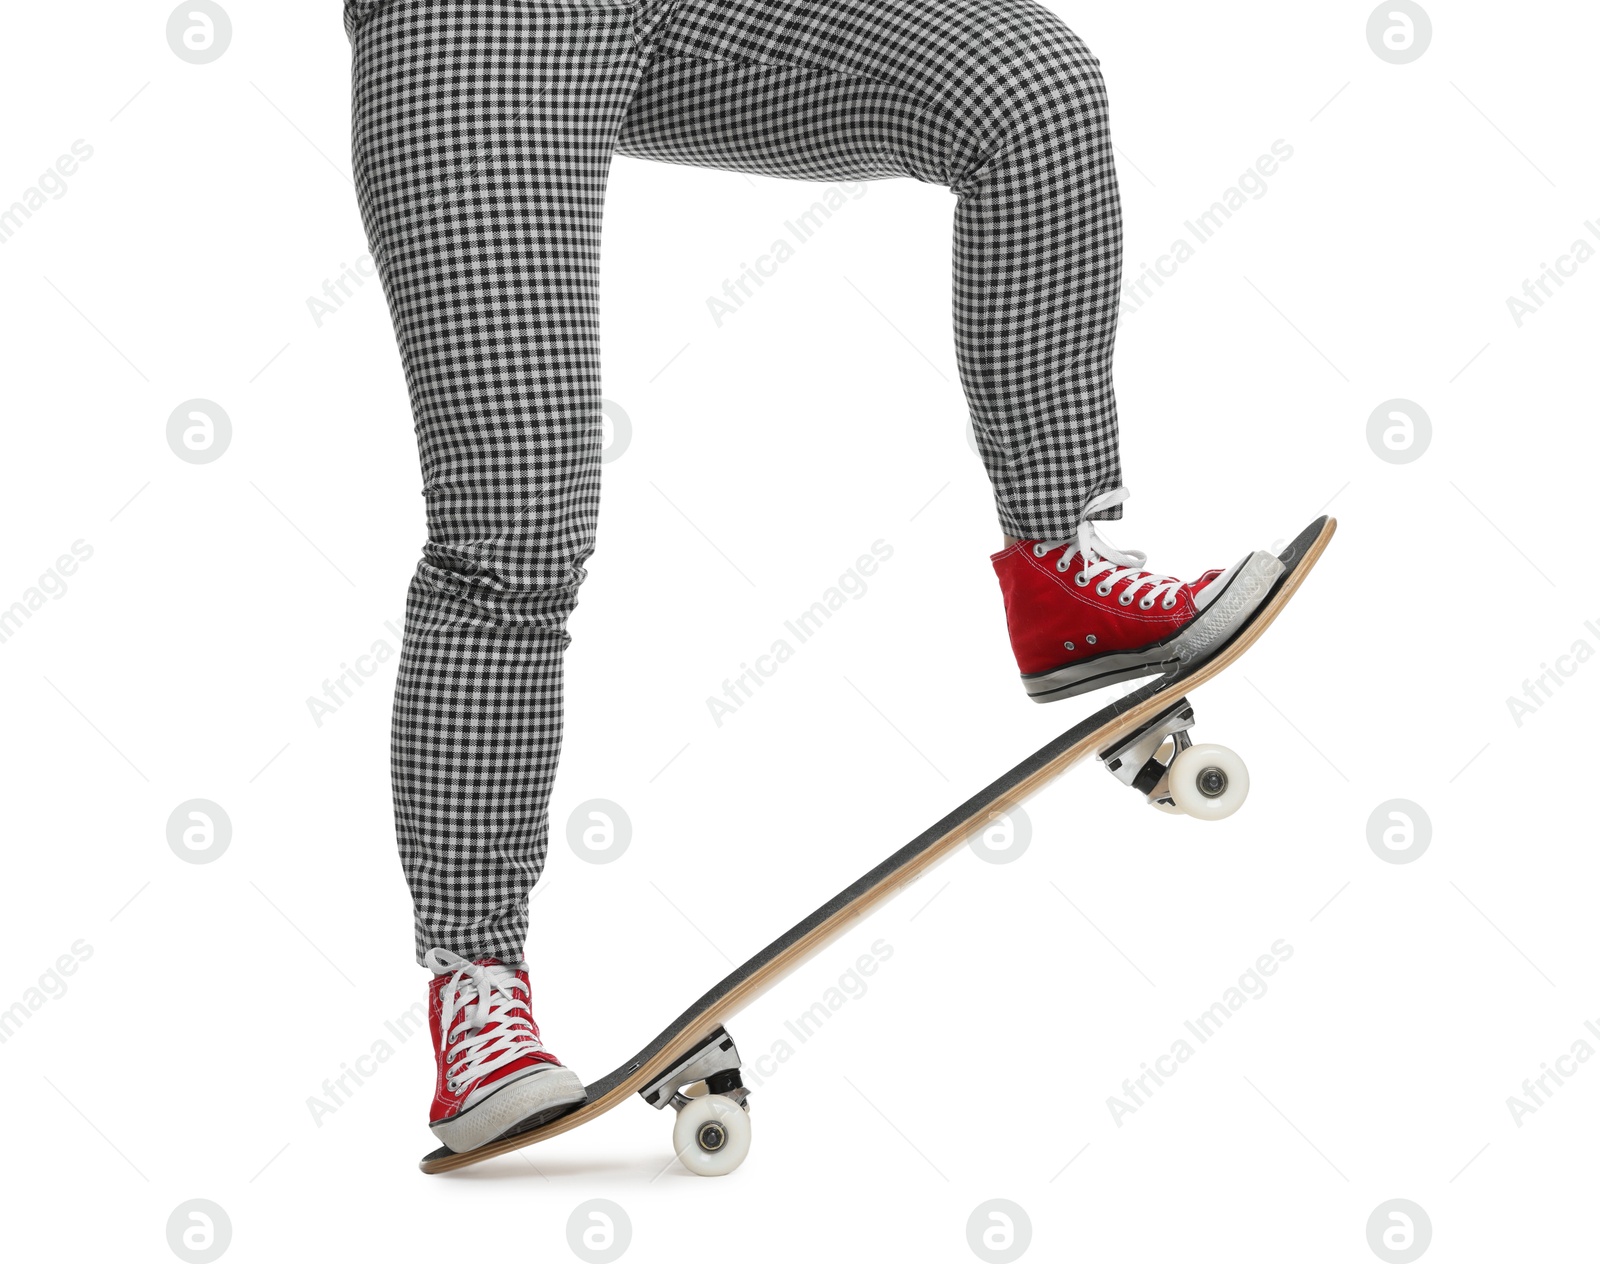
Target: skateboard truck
pixel 1162 763
pixel 712 1131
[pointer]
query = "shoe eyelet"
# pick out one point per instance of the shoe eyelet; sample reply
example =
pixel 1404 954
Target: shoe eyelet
pixel 452 1038
pixel 1167 605
pixel 1039 550
pixel 1081 580
pixel 1090 638
pixel 1125 600
pixel 1103 589
pixel 1061 565
pixel 1069 645
pixel 1146 604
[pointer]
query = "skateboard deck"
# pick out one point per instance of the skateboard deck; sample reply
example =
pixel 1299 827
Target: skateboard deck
pixel 695 1050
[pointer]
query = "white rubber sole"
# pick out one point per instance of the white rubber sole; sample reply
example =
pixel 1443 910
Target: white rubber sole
pixel 520 1104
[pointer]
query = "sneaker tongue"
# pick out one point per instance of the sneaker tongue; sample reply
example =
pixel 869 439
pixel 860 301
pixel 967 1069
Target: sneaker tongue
pixel 1209 586
pixel 469 986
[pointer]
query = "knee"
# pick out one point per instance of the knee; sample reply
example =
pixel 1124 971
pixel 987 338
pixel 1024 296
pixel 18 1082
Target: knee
pixel 491 586
pixel 1037 77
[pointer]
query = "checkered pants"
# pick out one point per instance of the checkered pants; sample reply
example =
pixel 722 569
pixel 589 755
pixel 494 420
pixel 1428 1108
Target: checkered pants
pixel 482 135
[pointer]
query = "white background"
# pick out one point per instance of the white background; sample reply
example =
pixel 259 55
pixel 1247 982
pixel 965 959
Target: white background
pixel 767 455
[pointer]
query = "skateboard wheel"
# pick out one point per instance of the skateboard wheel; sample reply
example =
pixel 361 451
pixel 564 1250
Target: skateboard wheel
pixel 1208 782
pixel 711 1135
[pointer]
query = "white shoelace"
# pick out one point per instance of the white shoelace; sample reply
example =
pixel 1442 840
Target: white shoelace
pixel 491 991
pixel 1109 564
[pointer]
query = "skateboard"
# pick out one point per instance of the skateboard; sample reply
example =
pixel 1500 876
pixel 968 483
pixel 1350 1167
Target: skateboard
pixel 1142 738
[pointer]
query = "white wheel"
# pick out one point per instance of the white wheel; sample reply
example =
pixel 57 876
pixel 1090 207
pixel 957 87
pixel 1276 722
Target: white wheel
pixel 1208 782
pixel 712 1135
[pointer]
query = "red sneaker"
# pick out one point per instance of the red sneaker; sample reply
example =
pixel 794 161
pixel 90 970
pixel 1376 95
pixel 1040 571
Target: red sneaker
pixel 495 1075
pixel 1083 614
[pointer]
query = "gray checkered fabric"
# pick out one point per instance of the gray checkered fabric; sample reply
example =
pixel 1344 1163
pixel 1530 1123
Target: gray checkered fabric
pixel 482 135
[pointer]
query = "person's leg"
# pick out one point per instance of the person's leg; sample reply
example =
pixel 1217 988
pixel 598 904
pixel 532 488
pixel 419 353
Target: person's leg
pixel 995 99
pixel 482 135
pixel 1000 102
